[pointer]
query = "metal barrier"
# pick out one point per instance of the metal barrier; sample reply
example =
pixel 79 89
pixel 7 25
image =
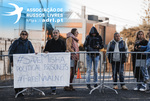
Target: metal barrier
pixel 105 77
pixel 83 59
pixel 135 61
pixel 6 74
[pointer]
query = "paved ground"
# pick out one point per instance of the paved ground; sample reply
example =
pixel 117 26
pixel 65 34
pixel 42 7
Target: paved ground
pixel 81 94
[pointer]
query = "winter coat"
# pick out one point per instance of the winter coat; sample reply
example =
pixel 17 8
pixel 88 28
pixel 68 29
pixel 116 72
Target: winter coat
pixel 55 46
pixel 119 46
pixel 136 70
pixel 72 45
pixel 93 43
pixel 20 46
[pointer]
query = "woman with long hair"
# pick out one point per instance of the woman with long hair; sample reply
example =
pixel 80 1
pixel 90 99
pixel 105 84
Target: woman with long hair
pixel 72 46
pixel 138 70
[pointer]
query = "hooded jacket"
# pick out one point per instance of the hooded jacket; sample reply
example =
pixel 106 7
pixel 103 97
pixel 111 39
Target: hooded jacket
pixel 93 43
pixel 119 46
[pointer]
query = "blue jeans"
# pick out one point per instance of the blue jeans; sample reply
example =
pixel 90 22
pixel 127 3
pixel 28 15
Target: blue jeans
pixel 95 60
pixel 144 73
pixel 149 75
pixel 148 68
pixel 118 67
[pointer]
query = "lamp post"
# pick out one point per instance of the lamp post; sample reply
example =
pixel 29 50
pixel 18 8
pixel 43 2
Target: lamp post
pixel 44 23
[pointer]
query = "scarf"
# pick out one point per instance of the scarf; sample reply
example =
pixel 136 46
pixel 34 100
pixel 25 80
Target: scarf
pixel 74 46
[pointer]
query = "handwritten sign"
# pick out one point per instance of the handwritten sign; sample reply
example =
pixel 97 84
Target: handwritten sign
pixel 41 70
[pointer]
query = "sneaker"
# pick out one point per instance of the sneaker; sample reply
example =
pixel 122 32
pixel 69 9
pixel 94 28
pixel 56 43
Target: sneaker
pixel 142 89
pixel 115 87
pixel 53 92
pixel 95 85
pixel 136 88
pixel 89 87
pixel 124 87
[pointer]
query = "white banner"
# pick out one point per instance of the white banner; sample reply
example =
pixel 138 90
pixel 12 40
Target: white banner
pixel 41 70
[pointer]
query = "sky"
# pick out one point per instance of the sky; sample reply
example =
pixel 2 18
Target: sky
pixel 123 13
pixel 9 29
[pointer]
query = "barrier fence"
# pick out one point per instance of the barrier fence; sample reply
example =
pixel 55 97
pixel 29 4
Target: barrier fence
pixel 6 73
pixel 134 69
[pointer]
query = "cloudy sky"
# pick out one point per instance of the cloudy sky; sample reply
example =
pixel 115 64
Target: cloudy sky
pixel 123 13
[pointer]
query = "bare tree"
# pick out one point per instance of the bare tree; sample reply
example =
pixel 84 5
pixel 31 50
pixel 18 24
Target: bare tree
pixel 146 17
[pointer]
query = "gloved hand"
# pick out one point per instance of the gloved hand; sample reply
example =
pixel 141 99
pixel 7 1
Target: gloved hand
pixel 96 47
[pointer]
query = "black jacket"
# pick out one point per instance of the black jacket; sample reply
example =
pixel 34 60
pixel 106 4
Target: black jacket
pixel 55 46
pixel 93 43
pixel 122 48
pixel 137 72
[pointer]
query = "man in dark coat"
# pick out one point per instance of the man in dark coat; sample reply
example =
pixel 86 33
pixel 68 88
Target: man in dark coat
pixel 55 45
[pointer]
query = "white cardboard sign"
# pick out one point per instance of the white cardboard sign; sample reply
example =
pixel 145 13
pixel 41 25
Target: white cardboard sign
pixel 41 70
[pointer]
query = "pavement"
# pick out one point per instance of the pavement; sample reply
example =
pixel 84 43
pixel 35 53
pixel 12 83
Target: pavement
pixel 80 94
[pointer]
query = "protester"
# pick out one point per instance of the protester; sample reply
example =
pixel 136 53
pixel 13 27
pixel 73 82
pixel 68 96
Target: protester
pixel 20 46
pixel 147 47
pixel 72 46
pixel 139 71
pixel 117 59
pixel 55 45
pixel 92 43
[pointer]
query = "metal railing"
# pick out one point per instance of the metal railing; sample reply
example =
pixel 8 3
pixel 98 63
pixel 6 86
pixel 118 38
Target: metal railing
pixel 135 70
pixel 105 72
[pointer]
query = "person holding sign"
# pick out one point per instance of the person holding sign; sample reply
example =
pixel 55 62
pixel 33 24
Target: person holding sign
pixel 72 46
pixel 55 45
pixel 139 71
pixel 20 46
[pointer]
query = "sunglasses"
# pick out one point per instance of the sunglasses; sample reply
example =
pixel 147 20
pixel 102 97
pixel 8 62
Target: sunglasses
pixel 55 32
pixel 23 34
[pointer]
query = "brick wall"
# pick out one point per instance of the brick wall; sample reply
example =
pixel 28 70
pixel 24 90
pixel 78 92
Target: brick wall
pixel 110 30
pixel 88 28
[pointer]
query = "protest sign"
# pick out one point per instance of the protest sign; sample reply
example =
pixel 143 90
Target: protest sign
pixel 41 70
